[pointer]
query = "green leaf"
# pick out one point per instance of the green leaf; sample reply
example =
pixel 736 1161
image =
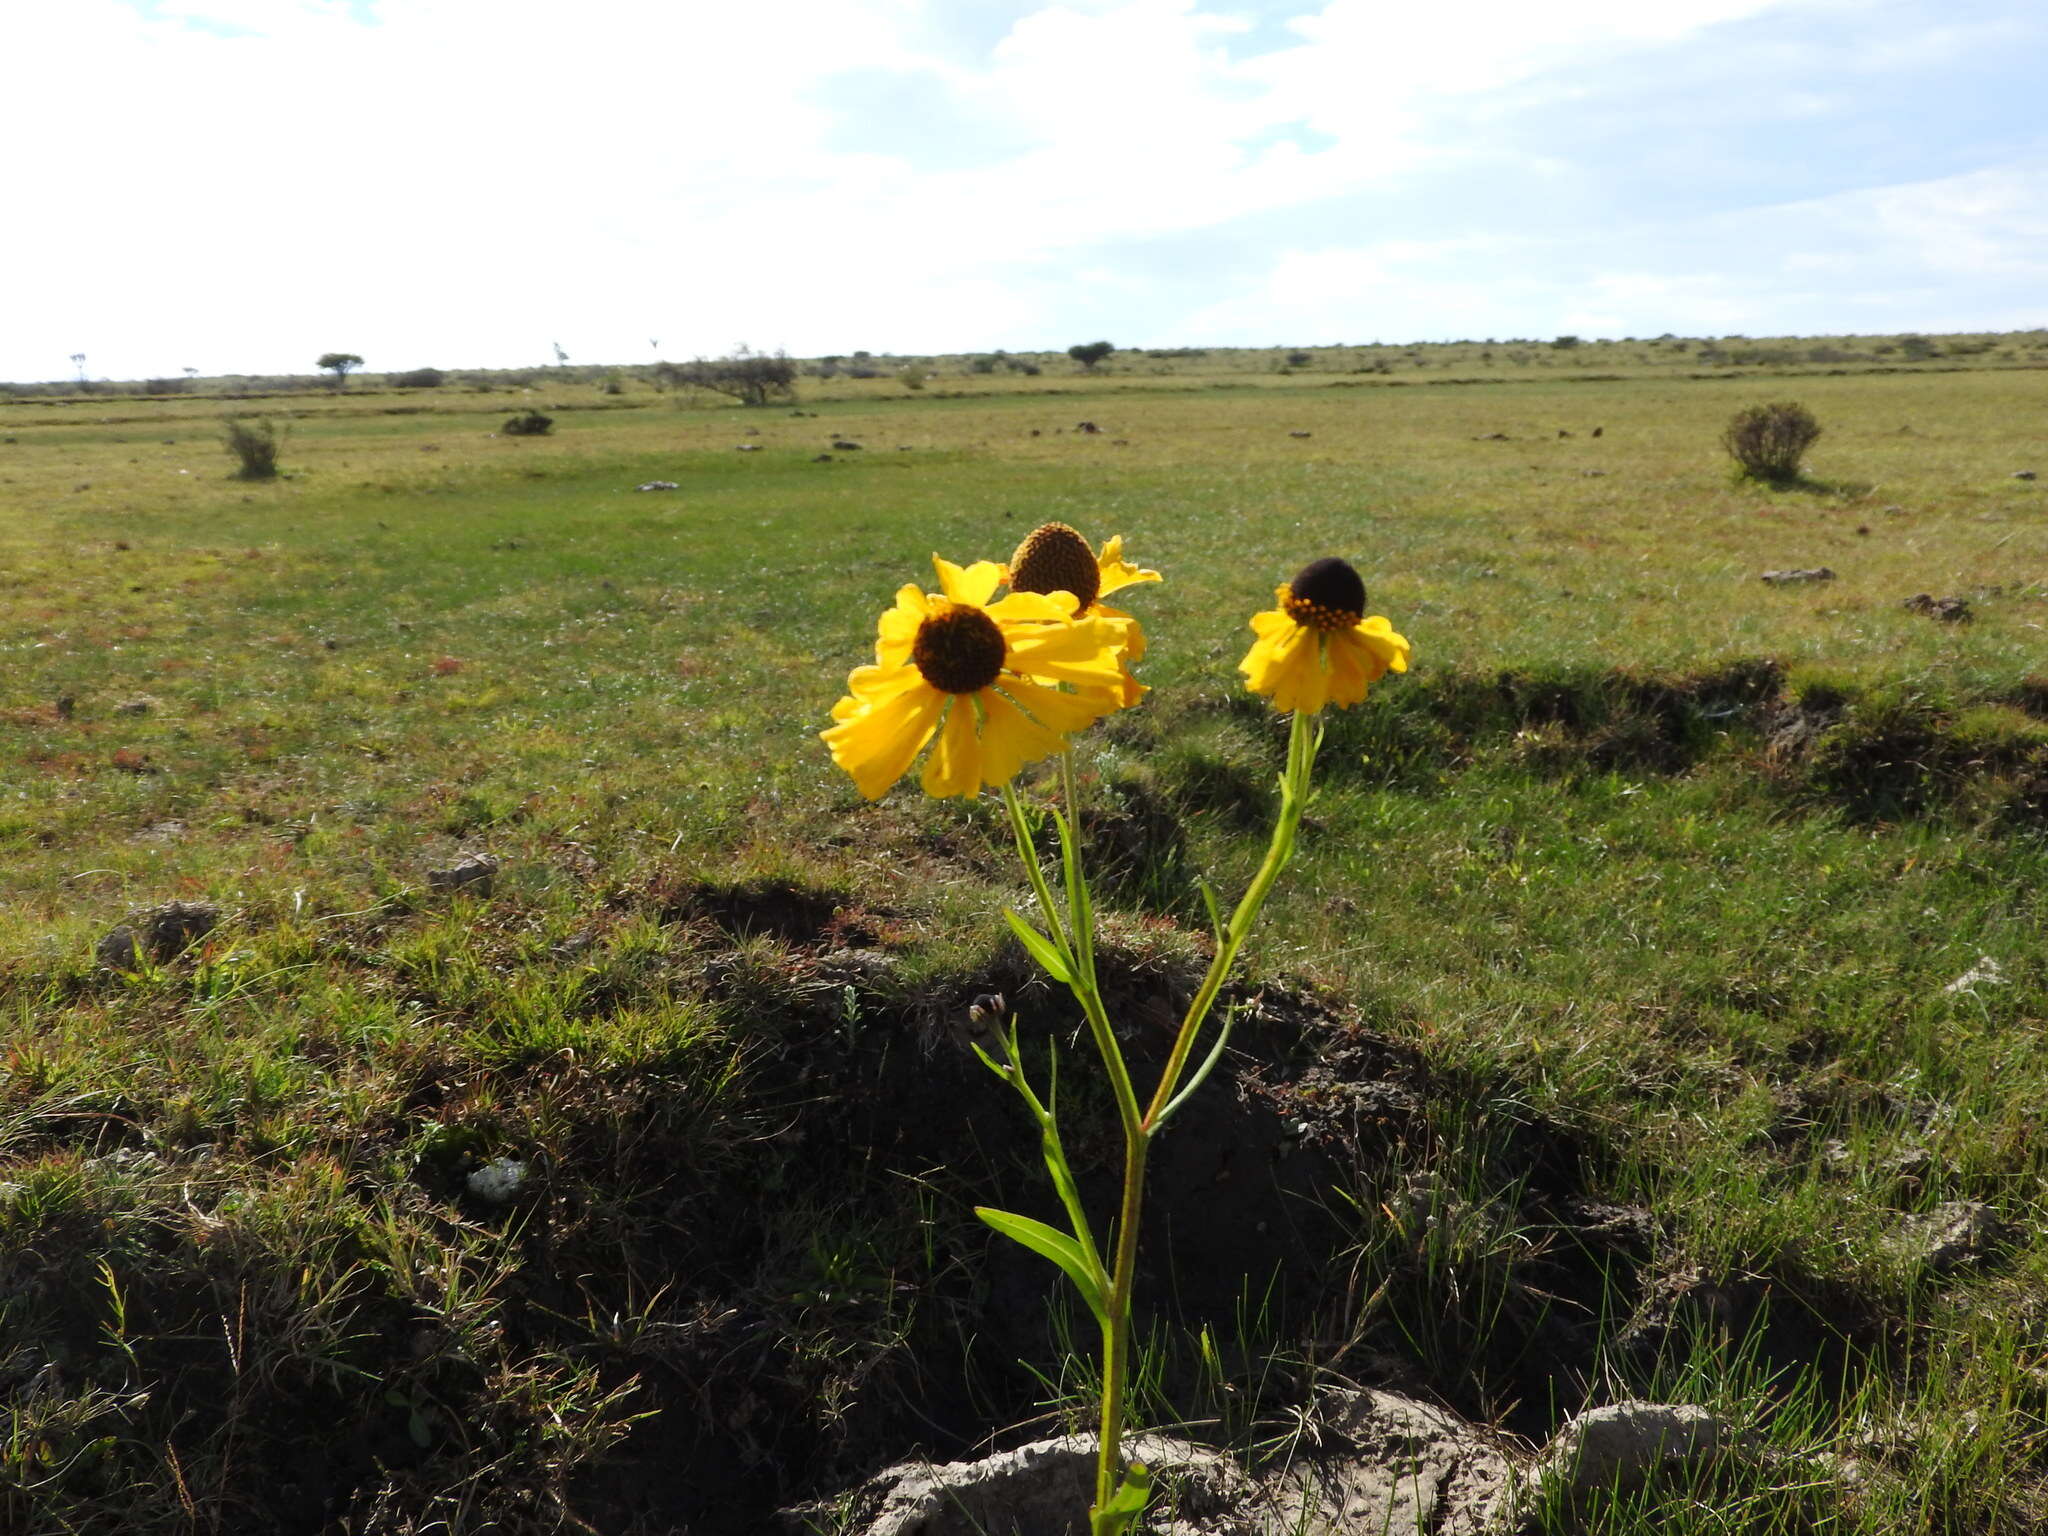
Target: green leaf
pixel 1051 1243
pixel 1048 958
pixel 1215 912
pixel 1126 1504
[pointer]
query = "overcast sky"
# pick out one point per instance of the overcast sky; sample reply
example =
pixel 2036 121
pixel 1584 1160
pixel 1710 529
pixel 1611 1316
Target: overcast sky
pixel 240 185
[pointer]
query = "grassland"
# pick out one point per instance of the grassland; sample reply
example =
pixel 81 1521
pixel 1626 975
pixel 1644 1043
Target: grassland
pixel 1606 1038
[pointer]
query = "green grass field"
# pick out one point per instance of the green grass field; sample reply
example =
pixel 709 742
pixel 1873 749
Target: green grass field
pixel 1653 887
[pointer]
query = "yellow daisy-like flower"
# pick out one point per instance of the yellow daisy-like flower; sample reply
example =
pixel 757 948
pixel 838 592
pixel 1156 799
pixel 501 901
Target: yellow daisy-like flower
pixel 983 677
pixel 1056 558
pixel 1318 647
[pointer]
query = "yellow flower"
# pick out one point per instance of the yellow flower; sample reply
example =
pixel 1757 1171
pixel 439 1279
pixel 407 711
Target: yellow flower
pixel 1056 558
pixel 1318 647
pixel 982 676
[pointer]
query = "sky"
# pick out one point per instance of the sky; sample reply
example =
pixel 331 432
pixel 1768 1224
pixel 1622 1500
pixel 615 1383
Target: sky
pixel 237 186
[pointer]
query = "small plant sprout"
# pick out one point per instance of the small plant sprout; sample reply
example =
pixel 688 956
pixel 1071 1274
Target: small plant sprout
pixel 1004 683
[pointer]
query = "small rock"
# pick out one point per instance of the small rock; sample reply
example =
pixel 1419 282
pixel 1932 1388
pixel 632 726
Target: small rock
pixel 1299 434
pixel 158 934
pixel 842 445
pixel 746 448
pixel 658 485
pixel 120 950
pixel 1086 426
pixel 1620 1446
pixel 1597 431
pixel 1952 1235
pixel 498 1181
pixel 2024 474
pixel 135 706
pixel 1493 437
pixel 1036 1490
pixel 1782 578
pixel 473 872
pixel 1620 1226
pixel 1950 610
pixel 821 458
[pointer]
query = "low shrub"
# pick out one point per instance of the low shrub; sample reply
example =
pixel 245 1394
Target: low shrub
pixel 419 378
pixel 254 441
pixel 528 424
pixel 1768 441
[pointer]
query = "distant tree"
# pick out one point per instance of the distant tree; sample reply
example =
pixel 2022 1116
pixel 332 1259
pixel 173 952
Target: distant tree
pixel 752 378
pixel 1565 343
pixel 78 362
pixel 339 364
pixel 561 357
pixel 1089 353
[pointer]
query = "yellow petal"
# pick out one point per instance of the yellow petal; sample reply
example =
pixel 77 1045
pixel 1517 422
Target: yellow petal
pixel 1379 637
pixel 1352 668
pixel 872 685
pixel 954 768
pixel 878 742
pixel 976 584
pixel 1288 668
pixel 1009 739
pixel 1270 622
pixel 1117 571
pixel 1082 652
pixel 1062 712
pixel 1034 608
pixel 1130 635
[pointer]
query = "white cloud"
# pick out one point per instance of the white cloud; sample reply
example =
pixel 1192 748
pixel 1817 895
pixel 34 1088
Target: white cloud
pixel 241 184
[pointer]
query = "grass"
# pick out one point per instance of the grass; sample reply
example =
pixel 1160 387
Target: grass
pixel 1647 887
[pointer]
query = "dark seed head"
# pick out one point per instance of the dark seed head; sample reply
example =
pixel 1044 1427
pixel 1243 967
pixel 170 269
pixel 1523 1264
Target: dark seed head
pixel 1055 558
pixel 1326 594
pixel 959 650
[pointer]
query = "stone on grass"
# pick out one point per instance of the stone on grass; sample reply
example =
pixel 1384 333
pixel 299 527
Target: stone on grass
pixel 1952 1235
pixel 1365 1461
pixel 658 485
pixel 1619 1447
pixel 1950 610
pixel 473 873
pixel 157 934
pixel 1043 1489
pixel 498 1182
pixel 1790 578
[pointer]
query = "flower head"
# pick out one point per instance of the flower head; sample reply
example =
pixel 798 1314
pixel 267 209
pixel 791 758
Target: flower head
pixel 1056 558
pixel 983 677
pixel 1317 646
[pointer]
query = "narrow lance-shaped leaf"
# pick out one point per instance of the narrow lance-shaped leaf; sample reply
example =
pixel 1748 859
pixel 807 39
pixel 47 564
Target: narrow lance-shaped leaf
pixel 1051 1243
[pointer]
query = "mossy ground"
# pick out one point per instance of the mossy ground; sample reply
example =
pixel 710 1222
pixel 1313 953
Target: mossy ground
pixel 1647 888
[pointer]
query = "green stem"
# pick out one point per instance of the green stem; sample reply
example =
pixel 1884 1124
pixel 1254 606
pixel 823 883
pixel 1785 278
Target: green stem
pixel 1301 757
pixel 1079 906
pixel 1116 1327
pixel 1028 856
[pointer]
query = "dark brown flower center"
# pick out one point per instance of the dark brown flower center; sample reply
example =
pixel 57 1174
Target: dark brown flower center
pixel 959 649
pixel 1054 558
pixel 1325 594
